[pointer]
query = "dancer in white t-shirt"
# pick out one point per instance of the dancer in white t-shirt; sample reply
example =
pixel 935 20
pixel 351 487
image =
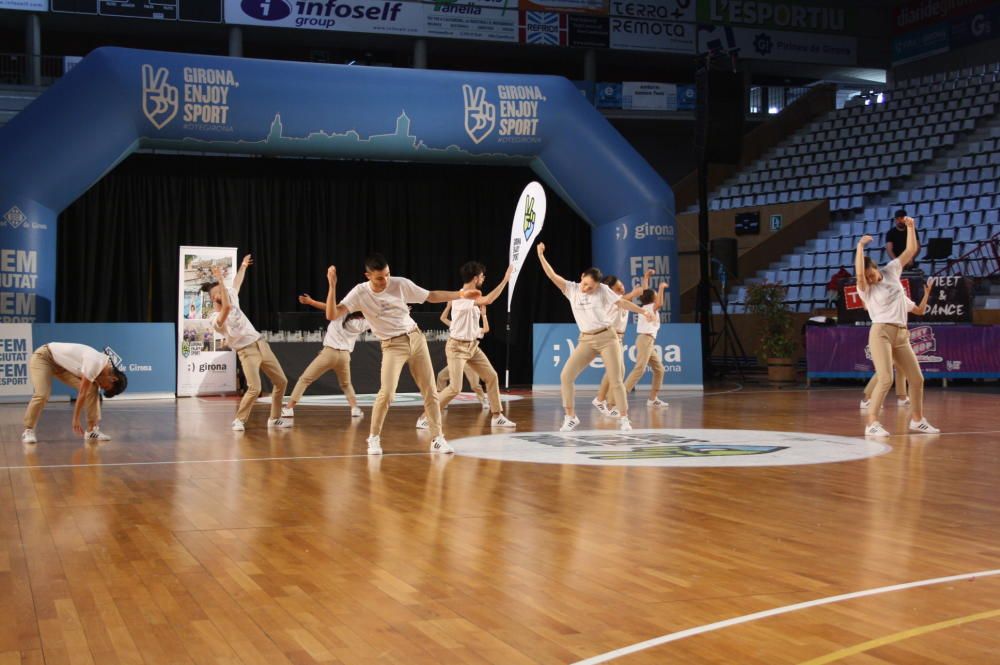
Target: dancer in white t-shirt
pixel 463 349
pixel 470 375
pixel 620 317
pixel 254 352
pixel 338 345
pixel 592 302
pixel 383 300
pixel 80 367
pixel 645 340
pixel 889 338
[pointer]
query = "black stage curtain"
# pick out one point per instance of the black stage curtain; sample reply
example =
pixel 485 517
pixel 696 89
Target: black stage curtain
pixel 118 243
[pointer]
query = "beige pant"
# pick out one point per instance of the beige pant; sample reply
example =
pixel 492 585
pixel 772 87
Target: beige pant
pixel 588 347
pixel 255 358
pixel 644 356
pixel 468 354
pixel 327 359
pixel 410 350
pixel 470 376
pixel 890 345
pixel 900 385
pixel 602 392
pixel 42 368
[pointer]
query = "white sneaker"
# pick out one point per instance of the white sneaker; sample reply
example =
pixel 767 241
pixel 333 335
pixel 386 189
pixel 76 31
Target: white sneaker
pixel 280 423
pixel 423 423
pixel 600 406
pixel 625 425
pixel 658 403
pixel 876 429
pixel 903 402
pixel 613 413
pixel 501 420
pixel 485 402
pixel 569 423
pixel 28 436
pixel 238 425
pixel 356 412
pixel 287 412
pixel 374 445
pixel 96 434
pixel 865 403
pixel 923 427
pixel 439 445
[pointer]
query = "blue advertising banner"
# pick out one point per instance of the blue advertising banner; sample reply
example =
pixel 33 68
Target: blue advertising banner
pixel 678 345
pixel 920 44
pixel 119 100
pixel 976 27
pixel 144 351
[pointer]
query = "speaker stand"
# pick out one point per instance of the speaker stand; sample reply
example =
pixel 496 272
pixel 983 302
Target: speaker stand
pixel 727 335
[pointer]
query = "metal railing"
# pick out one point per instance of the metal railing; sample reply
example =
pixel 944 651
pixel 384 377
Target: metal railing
pixel 979 263
pixel 22 69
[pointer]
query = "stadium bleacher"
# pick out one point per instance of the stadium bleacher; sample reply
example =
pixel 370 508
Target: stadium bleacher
pixel 932 147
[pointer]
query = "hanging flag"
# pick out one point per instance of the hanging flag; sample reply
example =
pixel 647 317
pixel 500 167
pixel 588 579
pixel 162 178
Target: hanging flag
pixel 528 219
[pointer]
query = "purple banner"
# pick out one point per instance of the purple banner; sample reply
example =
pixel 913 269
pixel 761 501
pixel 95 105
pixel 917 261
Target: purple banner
pixel 943 351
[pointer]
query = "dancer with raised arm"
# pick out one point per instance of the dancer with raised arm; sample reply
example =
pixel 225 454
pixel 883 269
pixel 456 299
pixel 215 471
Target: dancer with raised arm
pixel 889 338
pixel 383 300
pixel 591 302
pixel 620 318
pixel 470 375
pixel 463 344
pixel 341 335
pixel 644 340
pixel 254 353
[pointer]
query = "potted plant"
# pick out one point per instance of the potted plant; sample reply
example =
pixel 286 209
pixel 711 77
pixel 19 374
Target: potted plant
pixel 777 346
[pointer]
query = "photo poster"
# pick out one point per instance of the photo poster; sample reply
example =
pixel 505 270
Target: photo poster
pixel 205 365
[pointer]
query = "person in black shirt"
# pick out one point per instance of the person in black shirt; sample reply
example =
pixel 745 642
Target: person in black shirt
pixel 895 238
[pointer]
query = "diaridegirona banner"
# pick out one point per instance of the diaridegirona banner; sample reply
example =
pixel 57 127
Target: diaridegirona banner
pixel 486 20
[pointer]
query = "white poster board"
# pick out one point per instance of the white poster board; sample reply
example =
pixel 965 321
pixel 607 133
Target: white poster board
pixel 205 365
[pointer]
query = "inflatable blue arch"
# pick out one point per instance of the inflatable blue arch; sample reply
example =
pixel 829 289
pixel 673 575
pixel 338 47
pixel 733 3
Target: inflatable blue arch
pixel 118 100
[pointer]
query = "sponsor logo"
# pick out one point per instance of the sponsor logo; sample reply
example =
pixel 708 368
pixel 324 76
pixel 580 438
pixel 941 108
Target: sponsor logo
pixel 203 104
pixel 160 100
pixel 480 115
pixel 266 10
pixel 762 44
pixel 514 116
pixel 546 28
pixel 653 231
pixel 529 216
pixel 621 231
pixel 669 447
pixel 14 218
pixel 116 359
pixel 670 354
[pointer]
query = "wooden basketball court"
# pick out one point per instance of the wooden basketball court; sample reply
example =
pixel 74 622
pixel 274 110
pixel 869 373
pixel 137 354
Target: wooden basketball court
pixel 181 541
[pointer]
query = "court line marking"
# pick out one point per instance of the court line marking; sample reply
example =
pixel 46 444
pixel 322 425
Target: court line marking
pixel 840 654
pixel 747 618
pixel 216 461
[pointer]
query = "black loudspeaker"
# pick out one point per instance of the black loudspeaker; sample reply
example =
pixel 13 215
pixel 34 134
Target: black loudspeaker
pixel 719 116
pixel 724 251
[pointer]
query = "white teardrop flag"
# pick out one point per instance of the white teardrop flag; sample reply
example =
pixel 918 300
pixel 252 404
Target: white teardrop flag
pixel 528 219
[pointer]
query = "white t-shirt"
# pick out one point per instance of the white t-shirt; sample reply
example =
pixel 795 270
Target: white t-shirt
pixel 592 311
pixel 386 311
pixel 645 327
pixel 237 328
pixel 620 317
pixel 887 301
pixel 342 335
pixel 466 322
pixel 79 359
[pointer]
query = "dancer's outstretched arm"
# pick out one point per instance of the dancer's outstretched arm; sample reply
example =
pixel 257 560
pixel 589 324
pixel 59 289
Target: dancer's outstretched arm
pixel 549 272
